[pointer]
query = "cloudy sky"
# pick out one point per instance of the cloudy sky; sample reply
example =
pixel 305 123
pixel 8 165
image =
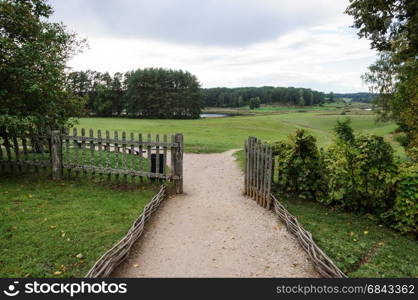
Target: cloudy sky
pixel 301 43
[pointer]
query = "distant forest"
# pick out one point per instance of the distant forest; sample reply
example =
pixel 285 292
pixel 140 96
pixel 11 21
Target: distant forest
pixel 357 97
pixel 160 93
pixel 237 97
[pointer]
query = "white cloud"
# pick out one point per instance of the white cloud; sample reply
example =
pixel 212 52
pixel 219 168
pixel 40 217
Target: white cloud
pixel 323 53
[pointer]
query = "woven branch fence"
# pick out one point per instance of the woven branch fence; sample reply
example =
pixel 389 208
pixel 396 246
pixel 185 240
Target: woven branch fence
pixel 259 167
pixel 323 264
pixel 120 251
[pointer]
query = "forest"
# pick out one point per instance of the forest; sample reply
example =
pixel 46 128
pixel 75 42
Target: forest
pixel 145 93
pixel 237 97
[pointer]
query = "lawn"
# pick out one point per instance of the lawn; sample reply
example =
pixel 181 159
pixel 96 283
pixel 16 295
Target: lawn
pixel 59 229
pixel 358 244
pixel 221 134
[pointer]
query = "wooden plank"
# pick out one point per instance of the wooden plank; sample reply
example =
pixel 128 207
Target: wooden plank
pixel 149 152
pixel 172 154
pixel 269 175
pixel 246 167
pixel 157 157
pixel 76 150
pixel 100 150
pixel 141 158
pixel 67 148
pixel 251 167
pixel 108 152
pixel 165 154
pixel 116 153
pixel 16 151
pixel 124 162
pixel 119 171
pixel 56 155
pixel 92 150
pixel 132 156
pixel 83 151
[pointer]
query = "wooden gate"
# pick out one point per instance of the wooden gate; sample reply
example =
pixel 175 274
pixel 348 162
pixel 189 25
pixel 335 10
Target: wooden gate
pixel 259 164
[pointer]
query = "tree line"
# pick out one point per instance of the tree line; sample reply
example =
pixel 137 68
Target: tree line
pixel 145 93
pixel 243 96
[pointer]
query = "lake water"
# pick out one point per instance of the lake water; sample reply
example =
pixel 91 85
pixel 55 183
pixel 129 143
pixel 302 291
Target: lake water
pixel 213 115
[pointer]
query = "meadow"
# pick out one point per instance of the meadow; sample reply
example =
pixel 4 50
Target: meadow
pixel 222 134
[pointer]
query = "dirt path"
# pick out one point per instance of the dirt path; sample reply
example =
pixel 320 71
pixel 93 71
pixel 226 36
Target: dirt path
pixel 214 231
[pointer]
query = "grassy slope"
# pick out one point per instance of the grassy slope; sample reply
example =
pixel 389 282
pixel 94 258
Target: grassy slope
pixel 221 134
pixel 44 225
pixel 358 244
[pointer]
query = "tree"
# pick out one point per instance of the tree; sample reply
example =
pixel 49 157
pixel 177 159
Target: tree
pixel 392 27
pixel 255 102
pixel 34 89
pixel 160 93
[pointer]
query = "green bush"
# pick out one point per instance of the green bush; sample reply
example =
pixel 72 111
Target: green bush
pixel 299 166
pixel 404 214
pixel 361 174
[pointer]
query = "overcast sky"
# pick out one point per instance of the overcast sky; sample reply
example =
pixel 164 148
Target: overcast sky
pixel 301 43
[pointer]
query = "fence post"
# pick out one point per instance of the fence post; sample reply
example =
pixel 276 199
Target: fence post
pixel 56 154
pixel 178 164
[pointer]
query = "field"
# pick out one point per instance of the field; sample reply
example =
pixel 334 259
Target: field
pixel 40 238
pixel 221 134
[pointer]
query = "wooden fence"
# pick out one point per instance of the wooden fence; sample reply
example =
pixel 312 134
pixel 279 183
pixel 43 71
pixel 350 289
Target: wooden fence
pixel 259 170
pixel 121 156
pixel 259 164
pixel 25 152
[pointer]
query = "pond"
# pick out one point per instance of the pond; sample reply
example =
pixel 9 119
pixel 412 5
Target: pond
pixel 213 115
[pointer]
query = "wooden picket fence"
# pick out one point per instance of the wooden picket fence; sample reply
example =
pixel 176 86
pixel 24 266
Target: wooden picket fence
pixel 121 156
pixel 25 152
pixel 259 164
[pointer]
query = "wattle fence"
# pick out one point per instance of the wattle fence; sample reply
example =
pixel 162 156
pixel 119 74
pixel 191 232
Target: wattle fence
pixel 259 175
pixel 118 156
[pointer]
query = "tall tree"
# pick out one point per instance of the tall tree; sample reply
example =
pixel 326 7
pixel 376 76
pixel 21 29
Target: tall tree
pixel 392 27
pixel 33 54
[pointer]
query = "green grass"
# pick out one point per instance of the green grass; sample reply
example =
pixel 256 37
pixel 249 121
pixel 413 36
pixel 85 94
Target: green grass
pixel 221 134
pixel 45 224
pixel 358 244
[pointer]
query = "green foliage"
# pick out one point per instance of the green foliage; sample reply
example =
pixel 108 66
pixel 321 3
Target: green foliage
pixel 361 174
pixel 392 27
pixel 255 103
pixel 343 131
pixel 300 167
pixel 34 52
pixel 404 214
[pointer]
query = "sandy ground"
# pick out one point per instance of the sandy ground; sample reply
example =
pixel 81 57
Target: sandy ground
pixel 213 230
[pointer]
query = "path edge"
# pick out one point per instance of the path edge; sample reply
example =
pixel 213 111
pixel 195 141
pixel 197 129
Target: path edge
pixel 109 261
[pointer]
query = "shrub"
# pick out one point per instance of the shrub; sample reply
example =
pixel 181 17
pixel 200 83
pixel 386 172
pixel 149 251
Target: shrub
pixel 404 214
pixel 362 174
pixel 300 168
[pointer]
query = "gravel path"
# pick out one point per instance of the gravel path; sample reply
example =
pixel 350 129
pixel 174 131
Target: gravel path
pixel 214 231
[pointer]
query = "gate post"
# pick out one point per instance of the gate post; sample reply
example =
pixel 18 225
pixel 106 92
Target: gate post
pixel 178 164
pixel 56 154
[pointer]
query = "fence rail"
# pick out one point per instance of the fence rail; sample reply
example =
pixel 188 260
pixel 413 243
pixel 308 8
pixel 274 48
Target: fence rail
pixel 136 156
